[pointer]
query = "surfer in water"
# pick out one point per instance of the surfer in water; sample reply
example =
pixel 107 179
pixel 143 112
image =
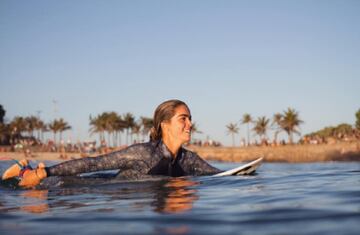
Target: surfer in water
pixel 162 155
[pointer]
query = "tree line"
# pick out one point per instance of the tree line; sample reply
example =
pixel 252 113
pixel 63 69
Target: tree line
pixel 31 127
pixel 289 122
pixel 108 125
pixel 111 127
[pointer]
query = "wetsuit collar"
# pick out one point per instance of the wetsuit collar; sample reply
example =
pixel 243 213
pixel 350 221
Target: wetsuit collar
pixel 166 152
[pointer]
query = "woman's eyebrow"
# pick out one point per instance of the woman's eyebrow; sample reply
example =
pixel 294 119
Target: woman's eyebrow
pixel 185 115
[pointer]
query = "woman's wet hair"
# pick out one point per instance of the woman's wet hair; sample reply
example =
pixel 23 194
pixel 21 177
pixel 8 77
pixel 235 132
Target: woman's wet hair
pixel 164 112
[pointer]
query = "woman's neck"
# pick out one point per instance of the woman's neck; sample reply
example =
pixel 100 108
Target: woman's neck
pixel 172 146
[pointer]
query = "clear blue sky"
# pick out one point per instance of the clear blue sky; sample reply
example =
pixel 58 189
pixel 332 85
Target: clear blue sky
pixel 224 58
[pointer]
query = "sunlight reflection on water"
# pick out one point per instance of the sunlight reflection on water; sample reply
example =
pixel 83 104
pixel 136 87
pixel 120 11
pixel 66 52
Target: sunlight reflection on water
pixel 317 198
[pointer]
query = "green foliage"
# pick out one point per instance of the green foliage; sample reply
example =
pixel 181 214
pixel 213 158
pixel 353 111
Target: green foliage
pixel 246 119
pixel 357 122
pixel 147 124
pixel 339 130
pixel 2 114
pixel 344 129
pixel 195 128
pixel 261 126
pixel 59 126
pixel 289 121
pixel 4 133
pixel 18 125
pixel 232 129
pixel 113 124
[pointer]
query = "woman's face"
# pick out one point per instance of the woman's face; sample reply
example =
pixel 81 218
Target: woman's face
pixel 179 126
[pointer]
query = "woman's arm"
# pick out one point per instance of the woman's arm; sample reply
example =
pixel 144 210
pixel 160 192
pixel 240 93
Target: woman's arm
pixel 137 157
pixel 131 158
pixel 200 167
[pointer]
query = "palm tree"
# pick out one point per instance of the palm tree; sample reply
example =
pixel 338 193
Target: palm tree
pixel 261 126
pixel 63 126
pixel 130 122
pixel 3 127
pixel 58 125
pixel 357 122
pixel 119 126
pixel 41 127
pixel 232 129
pixel 110 124
pixel 31 123
pixel 54 127
pixel 135 130
pixel 2 114
pixel 17 126
pixel 97 125
pixel 147 124
pixel 4 133
pixel 247 119
pixel 289 123
pixel 195 129
pixel 276 123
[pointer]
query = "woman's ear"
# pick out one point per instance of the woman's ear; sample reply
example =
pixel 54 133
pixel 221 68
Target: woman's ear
pixel 163 126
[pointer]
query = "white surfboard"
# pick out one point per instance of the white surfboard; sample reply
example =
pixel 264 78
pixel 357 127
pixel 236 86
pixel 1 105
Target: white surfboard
pixel 246 169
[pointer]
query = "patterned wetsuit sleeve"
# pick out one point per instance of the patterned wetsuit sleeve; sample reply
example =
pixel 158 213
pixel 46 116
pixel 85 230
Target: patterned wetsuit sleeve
pixel 135 158
pixel 201 167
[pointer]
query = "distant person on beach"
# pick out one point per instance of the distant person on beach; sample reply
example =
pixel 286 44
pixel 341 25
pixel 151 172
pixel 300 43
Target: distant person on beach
pixel 162 155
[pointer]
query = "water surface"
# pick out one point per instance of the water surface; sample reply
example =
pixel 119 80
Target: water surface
pixel 316 198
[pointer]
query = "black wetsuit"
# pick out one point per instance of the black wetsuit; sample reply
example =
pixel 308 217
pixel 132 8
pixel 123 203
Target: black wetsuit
pixel 151 158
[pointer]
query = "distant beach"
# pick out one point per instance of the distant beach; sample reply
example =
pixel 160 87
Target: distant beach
pixel 342 151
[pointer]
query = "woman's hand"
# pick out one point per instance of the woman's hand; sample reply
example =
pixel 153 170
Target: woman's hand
pixel 28 177
pixel 31 178
pixel 15 170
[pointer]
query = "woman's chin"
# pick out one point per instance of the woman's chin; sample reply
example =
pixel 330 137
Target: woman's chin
pixel 187 140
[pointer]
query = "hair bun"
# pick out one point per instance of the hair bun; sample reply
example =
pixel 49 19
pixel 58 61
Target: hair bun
pixel 153 133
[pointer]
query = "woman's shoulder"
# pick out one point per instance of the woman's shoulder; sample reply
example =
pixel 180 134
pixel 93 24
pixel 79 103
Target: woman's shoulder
pixel 189 153
pixel 141 147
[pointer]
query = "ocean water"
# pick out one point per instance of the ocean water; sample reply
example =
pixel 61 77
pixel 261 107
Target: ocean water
pixel 281 198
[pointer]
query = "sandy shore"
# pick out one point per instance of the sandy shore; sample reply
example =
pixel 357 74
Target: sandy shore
pixel 294 153
pixel 290 153
pixel 41 156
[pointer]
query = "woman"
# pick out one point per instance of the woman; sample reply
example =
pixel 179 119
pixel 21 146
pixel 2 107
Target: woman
pixel 162 155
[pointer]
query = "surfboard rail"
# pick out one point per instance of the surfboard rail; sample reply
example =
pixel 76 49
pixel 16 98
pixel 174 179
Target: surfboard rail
pixel 246 169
